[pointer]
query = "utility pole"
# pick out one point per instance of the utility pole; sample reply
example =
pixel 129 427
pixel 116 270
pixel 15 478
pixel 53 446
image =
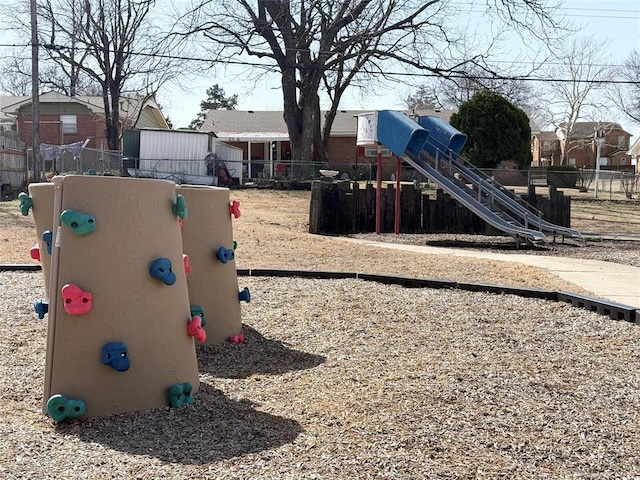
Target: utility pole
pixel 35 94
pixel 599 135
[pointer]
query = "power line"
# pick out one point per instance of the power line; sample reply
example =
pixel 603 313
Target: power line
pixel 453 75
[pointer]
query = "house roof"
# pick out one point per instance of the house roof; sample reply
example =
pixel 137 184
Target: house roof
pixel 546 135
pixel 587 129
pixel 129 106
pixel 262 125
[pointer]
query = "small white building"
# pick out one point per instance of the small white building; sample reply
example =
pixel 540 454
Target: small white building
pixel 183 156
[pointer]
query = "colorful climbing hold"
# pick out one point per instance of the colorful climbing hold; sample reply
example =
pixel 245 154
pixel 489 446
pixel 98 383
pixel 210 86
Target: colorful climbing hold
pixel 162 270
pixel 26 202
pixel 47 237
pixel 180 394
pixel 187 265
pixel 180 207
pixel 237 338
pixel 197 310
pixel 79 223
pixel 224 254
pixel 234 208
pixel 76 300
pixel 116 355
pixel 194 328
pixel 244 295
pixel 60 408
pixel 35 252
pixel 41 308
pixel 235 245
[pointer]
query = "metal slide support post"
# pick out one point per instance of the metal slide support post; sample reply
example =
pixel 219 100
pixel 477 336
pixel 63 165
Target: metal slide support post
pixel 396 224
pixel 599 141
pixel 378 189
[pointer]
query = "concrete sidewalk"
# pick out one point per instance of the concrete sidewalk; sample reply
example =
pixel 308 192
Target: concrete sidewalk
pixel 611 281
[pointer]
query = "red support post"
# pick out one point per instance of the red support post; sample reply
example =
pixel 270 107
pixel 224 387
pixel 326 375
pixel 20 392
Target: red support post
pixel 379 190
pixel 397 216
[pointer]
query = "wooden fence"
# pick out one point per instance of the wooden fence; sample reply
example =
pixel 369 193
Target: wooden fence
pixel 13 163
pixel 348 207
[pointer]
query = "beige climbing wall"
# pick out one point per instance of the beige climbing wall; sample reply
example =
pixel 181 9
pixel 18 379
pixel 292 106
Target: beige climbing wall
pixel 135 226
pixel 212 284
pixel 42 196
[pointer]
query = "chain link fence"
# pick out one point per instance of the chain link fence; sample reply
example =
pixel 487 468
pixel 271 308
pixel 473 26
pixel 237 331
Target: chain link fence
pixel 102 162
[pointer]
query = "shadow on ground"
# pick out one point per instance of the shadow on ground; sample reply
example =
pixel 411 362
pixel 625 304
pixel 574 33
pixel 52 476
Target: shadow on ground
pixel 214 428
pixel 257 354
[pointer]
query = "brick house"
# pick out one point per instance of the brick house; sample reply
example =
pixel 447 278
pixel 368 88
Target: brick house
pixel 66 120
pixel 581 149
pixel 264 140
pixel 545 149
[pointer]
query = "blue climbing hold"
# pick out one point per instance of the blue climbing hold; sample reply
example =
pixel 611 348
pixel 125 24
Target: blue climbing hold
pixel 116 355
pixel 47 236
pixel 41 308
pixel 224 254
pixel 162 270
pixel 244 295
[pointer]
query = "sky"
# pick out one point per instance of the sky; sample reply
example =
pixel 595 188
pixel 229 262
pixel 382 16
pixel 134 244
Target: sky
pixel 617 21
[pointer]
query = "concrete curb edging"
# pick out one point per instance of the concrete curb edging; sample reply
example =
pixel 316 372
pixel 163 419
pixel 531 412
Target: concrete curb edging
pixel 614 310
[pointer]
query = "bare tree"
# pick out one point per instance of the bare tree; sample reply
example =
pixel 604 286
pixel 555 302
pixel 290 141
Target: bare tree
pixel 574 80
pixel 451 91
pixel 321 47
pixel 626 96
pixel 114 47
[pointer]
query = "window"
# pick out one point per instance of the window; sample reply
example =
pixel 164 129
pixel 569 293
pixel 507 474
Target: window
pixel 373 152
pixel 622 141
pixel 572 161
pixel 623 160
pixel 69 123
pixel 546 145
pixel 581 143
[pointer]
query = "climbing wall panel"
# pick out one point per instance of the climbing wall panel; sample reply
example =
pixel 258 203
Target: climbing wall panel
pixel 119 305
pixel 207 236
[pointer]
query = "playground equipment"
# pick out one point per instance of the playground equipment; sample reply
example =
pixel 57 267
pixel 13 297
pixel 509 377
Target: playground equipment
pixel 40 201
pixel 116 253
pixel 208 243
pixel 119 314
pixel 432 147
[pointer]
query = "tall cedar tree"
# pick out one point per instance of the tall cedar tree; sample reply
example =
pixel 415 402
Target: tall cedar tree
pixel 498 131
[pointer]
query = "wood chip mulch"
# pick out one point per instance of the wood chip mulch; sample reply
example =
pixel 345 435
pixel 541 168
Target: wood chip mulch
pixel 345 379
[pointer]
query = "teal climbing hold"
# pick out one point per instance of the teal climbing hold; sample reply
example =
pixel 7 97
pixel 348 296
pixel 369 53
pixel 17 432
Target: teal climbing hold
pixel 198 311
pixel 180 394
pixel 60 408
pixel 180 207
pixel 26 202
pixel 79 223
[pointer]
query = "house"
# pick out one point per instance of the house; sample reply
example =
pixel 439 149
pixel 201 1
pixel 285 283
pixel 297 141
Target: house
pixel 264 140
pixel 67 120
pixel 582 147
pixel 634 155
pixel 545 149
